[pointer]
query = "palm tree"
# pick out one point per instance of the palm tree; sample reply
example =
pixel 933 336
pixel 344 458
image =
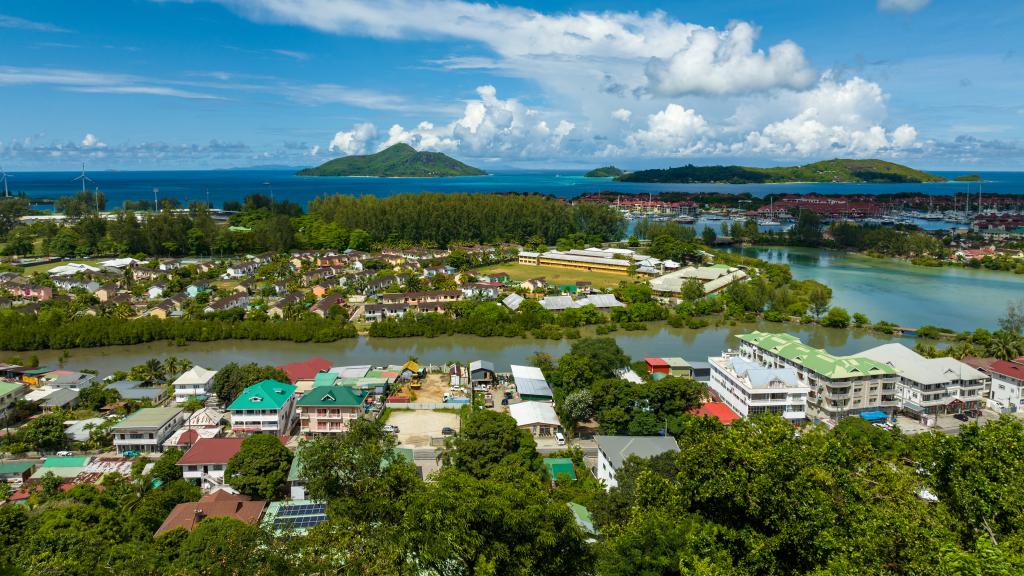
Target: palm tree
pixel 1005 346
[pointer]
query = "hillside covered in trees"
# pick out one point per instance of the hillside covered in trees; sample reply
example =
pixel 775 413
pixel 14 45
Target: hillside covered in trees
pixel 838 170
pixel 605 172
pixel 399 160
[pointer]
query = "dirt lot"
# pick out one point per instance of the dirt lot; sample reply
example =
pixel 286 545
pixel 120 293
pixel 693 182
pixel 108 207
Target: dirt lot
pixel 416 427
pixel 432 389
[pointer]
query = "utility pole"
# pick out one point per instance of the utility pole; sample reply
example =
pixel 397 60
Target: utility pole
pixel 156 205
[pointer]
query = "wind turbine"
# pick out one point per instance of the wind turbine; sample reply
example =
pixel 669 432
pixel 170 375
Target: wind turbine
pixel 83 178
pixel 3 176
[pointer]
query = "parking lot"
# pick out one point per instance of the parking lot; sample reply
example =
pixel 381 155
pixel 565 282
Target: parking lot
pixel 417 427
pixel 945 423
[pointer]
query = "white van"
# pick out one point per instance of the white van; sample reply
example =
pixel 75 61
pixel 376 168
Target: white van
pixel 560 438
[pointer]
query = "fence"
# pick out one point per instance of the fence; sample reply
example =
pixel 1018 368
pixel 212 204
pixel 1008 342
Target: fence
pixel 423 406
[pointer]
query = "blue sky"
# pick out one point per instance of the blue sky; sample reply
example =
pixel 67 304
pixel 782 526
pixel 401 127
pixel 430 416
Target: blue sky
pixel 136 84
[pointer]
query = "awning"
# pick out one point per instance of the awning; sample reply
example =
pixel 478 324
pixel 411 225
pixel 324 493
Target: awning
pixel 874 416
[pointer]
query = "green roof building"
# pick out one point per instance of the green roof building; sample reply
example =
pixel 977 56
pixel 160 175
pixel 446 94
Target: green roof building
pixel 559 467
pixel 146 429
pixel 327 410
pixel 265 407
pixel 9 394
pixel 325 379
pixel 15 470
pixel 841 386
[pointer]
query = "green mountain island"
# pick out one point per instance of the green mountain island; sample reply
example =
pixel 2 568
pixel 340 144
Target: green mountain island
pixel 605 172
pixel 838 170
pixel 968 178
pixel 397 161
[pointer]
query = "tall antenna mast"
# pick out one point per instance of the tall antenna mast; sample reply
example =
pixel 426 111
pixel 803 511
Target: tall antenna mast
pixel 156 206
pixel 3 175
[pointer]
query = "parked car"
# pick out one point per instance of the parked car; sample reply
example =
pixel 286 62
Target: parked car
pixel 560 438
pixel 962 417
pixel 65 453
pixel 504 401
pixel 130 454
pixel 391 428
pixel 447 431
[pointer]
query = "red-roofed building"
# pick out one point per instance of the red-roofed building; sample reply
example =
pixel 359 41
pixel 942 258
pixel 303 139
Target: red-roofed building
pixel 216 505
pixel 206 460
pixel 718 410
pixel 304 372
pixel 1007 384
pixel 657 365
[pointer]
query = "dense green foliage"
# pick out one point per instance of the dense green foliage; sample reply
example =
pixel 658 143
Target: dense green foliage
pixel 260 468
pixel 886 240
pixel 231 379
pixel 968 178
pixel 398 160
pixel 838 170
pixel 25 332
pixel 604 172
pixel 443 219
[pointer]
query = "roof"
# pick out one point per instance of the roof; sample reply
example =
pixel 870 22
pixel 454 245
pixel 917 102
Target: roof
pixel 530 381
pixel 582 516
pixel 512 301
pixel 264 395
pixel 557 302
pixel 676 362
pixel 66 461
pixel 658 362
pixel 917 368
pixel 195 375
pixel 148 418
pixel 1011 369
pixel 8 387
pixel 600 301
pixel 333 396
pixel 560 466
pixel 757 376
pixel 325 379
pixel 18 468
pixel 481 365
pixel 211 451
pixel 718 410
pixel 819 361
pixel 60 397
pixel 134 390
pixel 305 370
pixel 874 415
pixel 618 448
pixel 295 515
pixel 529 413
pixel 214 505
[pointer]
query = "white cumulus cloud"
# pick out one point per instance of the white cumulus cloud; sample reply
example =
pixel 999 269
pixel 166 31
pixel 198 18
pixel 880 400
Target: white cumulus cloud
pixel 354 141
pixel 622 114
pixel 91 141
pixel 674 131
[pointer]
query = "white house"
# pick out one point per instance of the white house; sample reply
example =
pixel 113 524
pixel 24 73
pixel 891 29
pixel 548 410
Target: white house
pixel 146 429
pixel 196 383
pixel 205 462
pixel 612 451
pixel 750 388
pixel 267 406
pixel 537 417
pixel 1007 385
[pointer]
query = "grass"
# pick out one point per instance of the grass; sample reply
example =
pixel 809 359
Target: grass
pixel 556 276
pixel 48 267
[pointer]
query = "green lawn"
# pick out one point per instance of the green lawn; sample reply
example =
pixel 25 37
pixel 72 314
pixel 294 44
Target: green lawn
pixel 47 267
pixel 556 276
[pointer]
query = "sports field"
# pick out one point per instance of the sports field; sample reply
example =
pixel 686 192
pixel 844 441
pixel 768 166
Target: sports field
pixel 557 276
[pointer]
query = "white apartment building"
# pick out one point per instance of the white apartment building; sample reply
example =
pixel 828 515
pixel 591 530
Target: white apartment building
pixel 146 429
pixel 1007 392
pixel 750 388
pixel 839 386
pixel 928 386
pixel 265 407
pixel 196 383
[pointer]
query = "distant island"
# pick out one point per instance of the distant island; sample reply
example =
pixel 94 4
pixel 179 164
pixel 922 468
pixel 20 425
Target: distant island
pixel 967 178
pixel 397 161
pixel 838 170
pixel 605 172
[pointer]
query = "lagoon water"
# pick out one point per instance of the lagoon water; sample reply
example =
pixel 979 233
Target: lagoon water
pixel 658 340
pixel 896 291
pixel 225 185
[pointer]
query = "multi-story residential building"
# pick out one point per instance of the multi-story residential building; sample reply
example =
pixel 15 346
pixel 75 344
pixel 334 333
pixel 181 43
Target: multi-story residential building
pixel 196 383
pixel 328 410
pixel 1007 385
pixel 10 392
pixel 378 312
pixel 204 463
pixel 929 386
pixel 414 298
pixel 146 429
pixel 265 407
pixel 750 388
pixel 840 386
